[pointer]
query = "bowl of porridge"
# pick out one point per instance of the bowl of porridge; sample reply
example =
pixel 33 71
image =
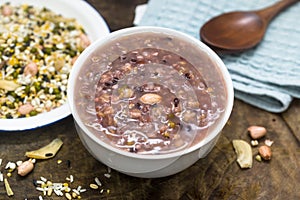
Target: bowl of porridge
pixel 149 101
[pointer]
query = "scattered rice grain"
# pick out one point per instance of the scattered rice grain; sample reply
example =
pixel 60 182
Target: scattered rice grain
pixel 43 179
pixel 10 165
pixel 19 162
pixel 39 182
pixel 58 192
pixel 98 182
pixel 71 178
pixel 76 191
pixel 82 190
pixel 107 175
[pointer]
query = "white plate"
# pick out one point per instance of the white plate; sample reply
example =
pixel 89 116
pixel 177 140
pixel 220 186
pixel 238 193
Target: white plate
pixel 95 28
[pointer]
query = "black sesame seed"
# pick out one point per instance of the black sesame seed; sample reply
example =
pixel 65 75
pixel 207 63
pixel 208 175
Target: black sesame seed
pixel 188 75
pixel 139 89
pixel 133 60
pixel 107 84
pixel 115 81
pixel 138 105
pixel 188 128
pixel 132 150
pixel 176 102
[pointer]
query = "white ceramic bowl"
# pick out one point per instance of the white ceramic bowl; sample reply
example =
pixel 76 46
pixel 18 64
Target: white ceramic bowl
pixel 135 164
pixel 95 27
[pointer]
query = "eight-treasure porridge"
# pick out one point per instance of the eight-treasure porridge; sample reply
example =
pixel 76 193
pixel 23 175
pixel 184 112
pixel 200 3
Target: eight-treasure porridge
pixel 150 93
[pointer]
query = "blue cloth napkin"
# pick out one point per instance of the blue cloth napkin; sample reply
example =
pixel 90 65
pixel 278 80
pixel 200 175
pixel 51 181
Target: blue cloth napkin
pixel 267 76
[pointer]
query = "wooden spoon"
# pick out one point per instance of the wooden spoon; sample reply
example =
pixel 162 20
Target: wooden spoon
pixel 238 31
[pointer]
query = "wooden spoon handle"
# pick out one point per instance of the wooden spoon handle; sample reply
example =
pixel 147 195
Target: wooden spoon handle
pixel 270 12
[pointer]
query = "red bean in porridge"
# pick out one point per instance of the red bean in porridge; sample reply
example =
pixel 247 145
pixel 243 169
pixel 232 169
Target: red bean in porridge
pixel 150 93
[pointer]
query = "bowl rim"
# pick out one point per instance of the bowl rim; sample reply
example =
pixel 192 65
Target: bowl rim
pixel 68 9
pixel 131 30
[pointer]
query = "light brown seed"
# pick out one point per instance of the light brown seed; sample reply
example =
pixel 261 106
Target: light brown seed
pixel 49 192
pixel 150 98
pixel 68 196
pixel 257 132
pixel 265 152
pixel 94 186
pixel 135 113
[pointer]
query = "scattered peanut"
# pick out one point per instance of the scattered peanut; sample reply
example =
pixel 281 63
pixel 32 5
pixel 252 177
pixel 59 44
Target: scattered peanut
pixel 265 152
pixel 257 132
pixel 25 168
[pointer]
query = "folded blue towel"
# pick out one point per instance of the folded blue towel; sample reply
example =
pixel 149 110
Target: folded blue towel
pixel 267 76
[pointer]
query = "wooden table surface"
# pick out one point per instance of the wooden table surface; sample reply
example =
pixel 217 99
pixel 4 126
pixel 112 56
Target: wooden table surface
pixel 218 176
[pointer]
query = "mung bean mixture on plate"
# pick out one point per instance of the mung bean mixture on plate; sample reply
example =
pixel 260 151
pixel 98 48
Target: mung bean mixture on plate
pixel 37 50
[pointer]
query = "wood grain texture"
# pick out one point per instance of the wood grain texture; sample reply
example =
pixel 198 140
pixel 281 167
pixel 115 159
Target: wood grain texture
pixel 217 176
